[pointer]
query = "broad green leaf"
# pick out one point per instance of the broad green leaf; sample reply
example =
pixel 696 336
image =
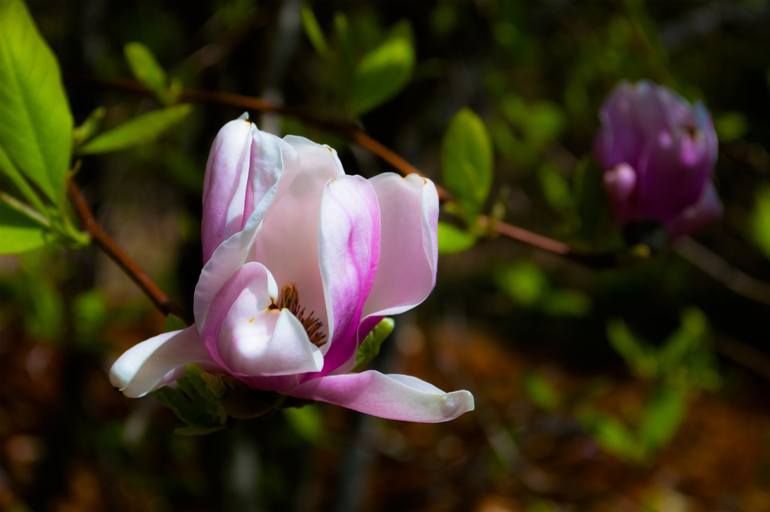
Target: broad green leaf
pixel 760 220
pixel 383 71
pixel 139 130
pixel 19 233
pixel 35 120
pixel 313 31
pixel 19 181
pixel 452 240
pixel 467 162
pixel 146 69
pixel 370 347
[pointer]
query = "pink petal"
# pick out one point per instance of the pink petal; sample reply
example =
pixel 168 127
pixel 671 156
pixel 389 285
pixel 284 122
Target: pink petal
pixel 287 240
pixel 252 278
pixel 395 397
pixel 154 362
pixel 349 250
pixel 255 342
pixel 706 210
pixel 406 272
pixel 243 167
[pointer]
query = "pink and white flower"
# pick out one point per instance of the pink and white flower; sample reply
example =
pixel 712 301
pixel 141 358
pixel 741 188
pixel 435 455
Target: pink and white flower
pixel 301 261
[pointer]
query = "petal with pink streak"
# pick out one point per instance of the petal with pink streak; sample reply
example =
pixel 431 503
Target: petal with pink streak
pixel 393 396
pixel 349 251
pixel 243 167
pixel 154 362
pixel 253 279
pixel 406 272
pixel 258 342
pixel 287 239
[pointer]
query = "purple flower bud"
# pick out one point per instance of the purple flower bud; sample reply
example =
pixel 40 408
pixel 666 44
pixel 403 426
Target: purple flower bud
pixel 658 153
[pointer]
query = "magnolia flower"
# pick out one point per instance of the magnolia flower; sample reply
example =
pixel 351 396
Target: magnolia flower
pixel 301 261
pixel 658 153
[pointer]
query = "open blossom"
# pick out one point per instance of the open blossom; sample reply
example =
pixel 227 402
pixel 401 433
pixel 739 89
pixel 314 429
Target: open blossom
pixel 301 261
pixel 658 154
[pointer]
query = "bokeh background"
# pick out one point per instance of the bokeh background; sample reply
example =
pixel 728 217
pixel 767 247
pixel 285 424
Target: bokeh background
pixel 638 387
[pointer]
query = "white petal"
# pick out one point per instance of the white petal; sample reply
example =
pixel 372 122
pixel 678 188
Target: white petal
pixel 151 363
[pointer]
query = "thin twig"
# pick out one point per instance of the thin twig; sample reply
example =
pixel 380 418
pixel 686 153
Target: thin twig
pixel 721 271
pixel 359 137
pixel 116 254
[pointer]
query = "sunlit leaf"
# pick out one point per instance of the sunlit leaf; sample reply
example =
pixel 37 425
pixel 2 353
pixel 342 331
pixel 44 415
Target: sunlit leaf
pixel 370 346
pixel 452 239
pixel 467 161
pixel 18 232
pixel 139 130
pixel 35 120
pixel 383 71
pixel 89 127
pixel 145 67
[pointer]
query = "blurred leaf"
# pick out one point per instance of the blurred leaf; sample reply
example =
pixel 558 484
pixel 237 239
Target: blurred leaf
pixel 523 281
pixel 555 187
pixel 452 240
pixel 684 341
pixel 383 71
pixel 612 436
pixel 89 127
pixel 636 354
pixel 89 311
pixel 173 323
pixel 540 390
pixel 662 416
pixel 306 422
pixel 139 130
pixel 35 120
pixel 146 69
pixel 595 225
pixel 467 162
pixel 18 232
pixel 760 220
pixel 370 346
pixel 567 303
pixel 313 31
pixel 730 126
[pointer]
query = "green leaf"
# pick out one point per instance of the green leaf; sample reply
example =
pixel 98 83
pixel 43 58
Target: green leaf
pixel 139 130
pixel 383 71
pixel 18 232
pixel 147 70
pixel 662 416
pixel 567 303
pixel 35 120
pixel 524 282
pixel 313 31
pixel 452 240
pixel 89 127
pixel 306 422
pixel 760 220
pixel 370 347
pixel 730 126
pixel 634 351
pixel 555 187
pixel 197 399
pixel 467 162
pixel 542 392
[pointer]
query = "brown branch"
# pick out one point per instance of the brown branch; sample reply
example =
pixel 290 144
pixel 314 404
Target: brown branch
pixel 721 271
pixel 116 254
pixel 359 137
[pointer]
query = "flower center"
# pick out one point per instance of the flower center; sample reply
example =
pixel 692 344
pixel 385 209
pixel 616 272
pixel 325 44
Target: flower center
pixel 289 299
